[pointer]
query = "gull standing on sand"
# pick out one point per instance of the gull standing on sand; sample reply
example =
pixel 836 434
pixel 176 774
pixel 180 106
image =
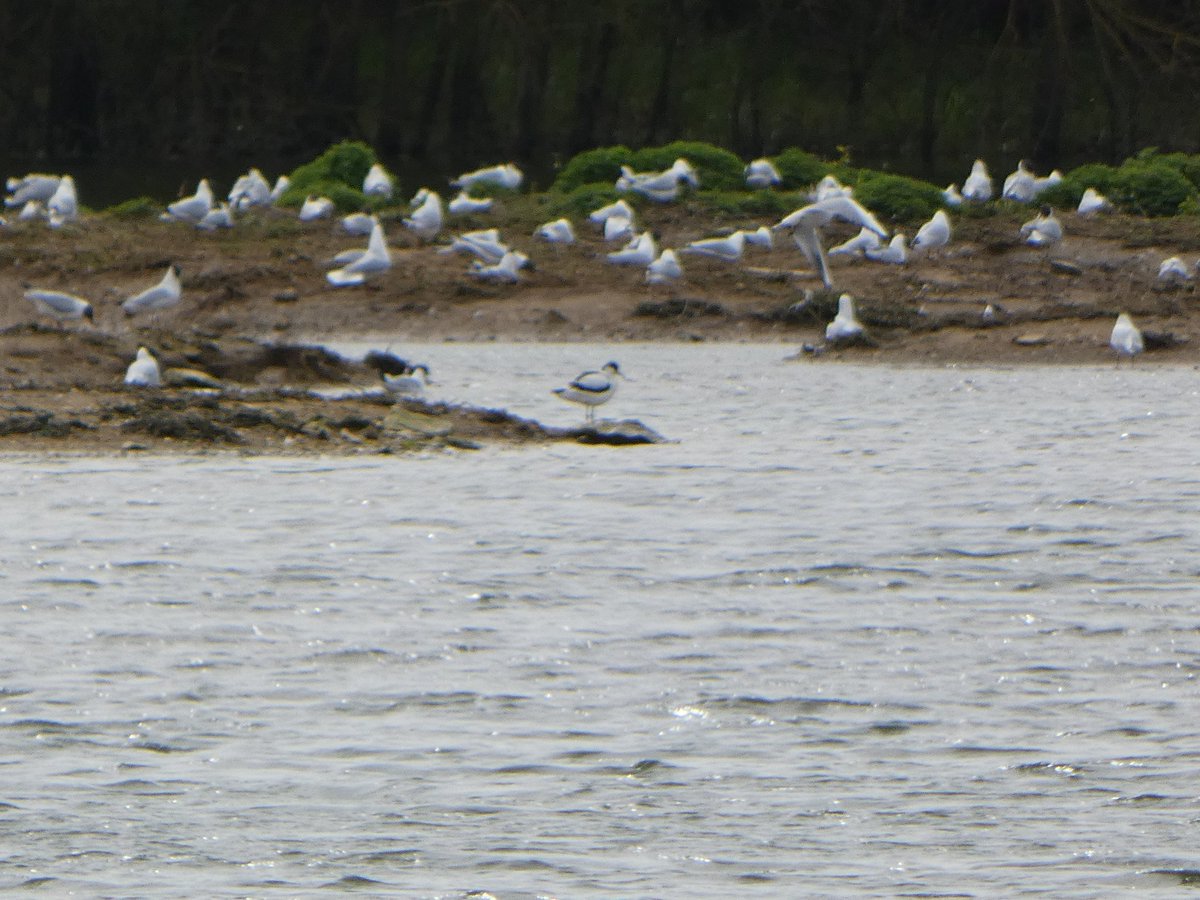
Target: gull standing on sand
pixel 933 234
pixel 376 258
pixel 761 174
pixel 378 183
pixel 1019 186
pixel 1173 270
pixel 1126 337
pixel 167 293
pixel 665 269
pixel 507 176
pixel 410 383
pixel 845 324
pixel 315 208
pixel 727 249
pixel 507 270
pixel 978 186
pixel 1093 202
pixel 604 213
pixel 426 220
pixel 33 186
pixel 1043 231
pixel 194 208
pixel 592 388
pixel 64 205
pixel 464 205
pixel 143 371
pixel 641 251
pixel 557 232
pixel 806 222
pixel 59 305
pixel 866 239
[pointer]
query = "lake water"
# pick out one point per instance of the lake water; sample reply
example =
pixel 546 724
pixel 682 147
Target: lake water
pixel 859 631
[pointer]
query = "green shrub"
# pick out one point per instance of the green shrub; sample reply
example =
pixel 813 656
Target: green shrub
pixel 592 167
pixel 1150 188
pixel 340 168
pixel 136 208
pixel 800 169
pixel 1186 164
pixel 719 169
pixel 773 204
pixel 344 197
pixel 585 198
pixel 896 197
pixel 1067 192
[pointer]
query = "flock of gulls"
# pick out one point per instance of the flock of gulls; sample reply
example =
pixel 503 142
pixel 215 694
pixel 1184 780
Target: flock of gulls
pixel 53 199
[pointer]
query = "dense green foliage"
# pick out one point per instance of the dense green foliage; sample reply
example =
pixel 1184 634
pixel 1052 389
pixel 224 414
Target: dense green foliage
pixel 896 197
pixel 337 173
pixel 471 82
pixel 601 165
pixel 135 208
pixel 1147 184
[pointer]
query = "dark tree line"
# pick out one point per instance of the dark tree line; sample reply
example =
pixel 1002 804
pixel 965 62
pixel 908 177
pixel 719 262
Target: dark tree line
pixel 909 82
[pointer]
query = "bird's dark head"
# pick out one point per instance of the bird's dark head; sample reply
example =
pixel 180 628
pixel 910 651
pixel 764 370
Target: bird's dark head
pixel 612 367
pixel 1046 210
pixel 89 313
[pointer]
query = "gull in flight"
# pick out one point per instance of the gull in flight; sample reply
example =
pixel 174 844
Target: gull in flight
pixel 375 259
pixel 165 294
pixel 1093 202
pixel 806 222
pixel 641 251
pixel 378 183
pixel 506 176
pixel 410 383
pixel 845 324
pixel 761 174
pixel 1126 337
pixel 194 208
pixel 426 220
pixel 1043 231
pixel 665 269
pixel 315 208
pixel 592 388
pixel 60 306
pixel 143 371
pixel 557 232
pixel 978 186
pixel 933 234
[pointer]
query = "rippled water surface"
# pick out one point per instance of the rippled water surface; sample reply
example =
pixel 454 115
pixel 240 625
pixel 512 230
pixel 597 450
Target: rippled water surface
pixel 859 631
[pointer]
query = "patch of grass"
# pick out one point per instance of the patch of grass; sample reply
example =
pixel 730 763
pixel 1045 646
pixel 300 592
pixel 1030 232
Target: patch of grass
pixel 719 169
pixel 592 167
pixel 337 173
pixel 135 208
pixel 584 198
pixel 897 197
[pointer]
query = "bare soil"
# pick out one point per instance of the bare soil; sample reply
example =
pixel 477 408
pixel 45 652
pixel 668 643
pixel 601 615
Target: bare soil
pixel 256 300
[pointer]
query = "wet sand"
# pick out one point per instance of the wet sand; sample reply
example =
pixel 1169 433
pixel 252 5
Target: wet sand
pixel 255 299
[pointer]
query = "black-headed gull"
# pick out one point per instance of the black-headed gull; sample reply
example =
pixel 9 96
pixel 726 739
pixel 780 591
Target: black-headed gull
pixel 426 220
pixel 641 251
pixel 60 305
pixel 896 251
pixel 34 186
pixel 1019 186
pixel 557 232
pixel 506 176
pixel 377 258
pixel 464 204
pixel 315 208
pixel 410 383
pixel 194 208
pixel 163 295
pixel 761 174
pixel 1043 231
pixel 507 270
pixel 727 249
pixel 378 183
pixel 933 234
pixel 1093 202
pixel 665 269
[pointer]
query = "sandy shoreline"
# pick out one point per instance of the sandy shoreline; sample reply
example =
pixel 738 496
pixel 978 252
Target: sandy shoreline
pixel 256 289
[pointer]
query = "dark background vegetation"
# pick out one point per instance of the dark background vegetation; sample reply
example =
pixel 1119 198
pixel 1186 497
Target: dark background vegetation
pixel 919 86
